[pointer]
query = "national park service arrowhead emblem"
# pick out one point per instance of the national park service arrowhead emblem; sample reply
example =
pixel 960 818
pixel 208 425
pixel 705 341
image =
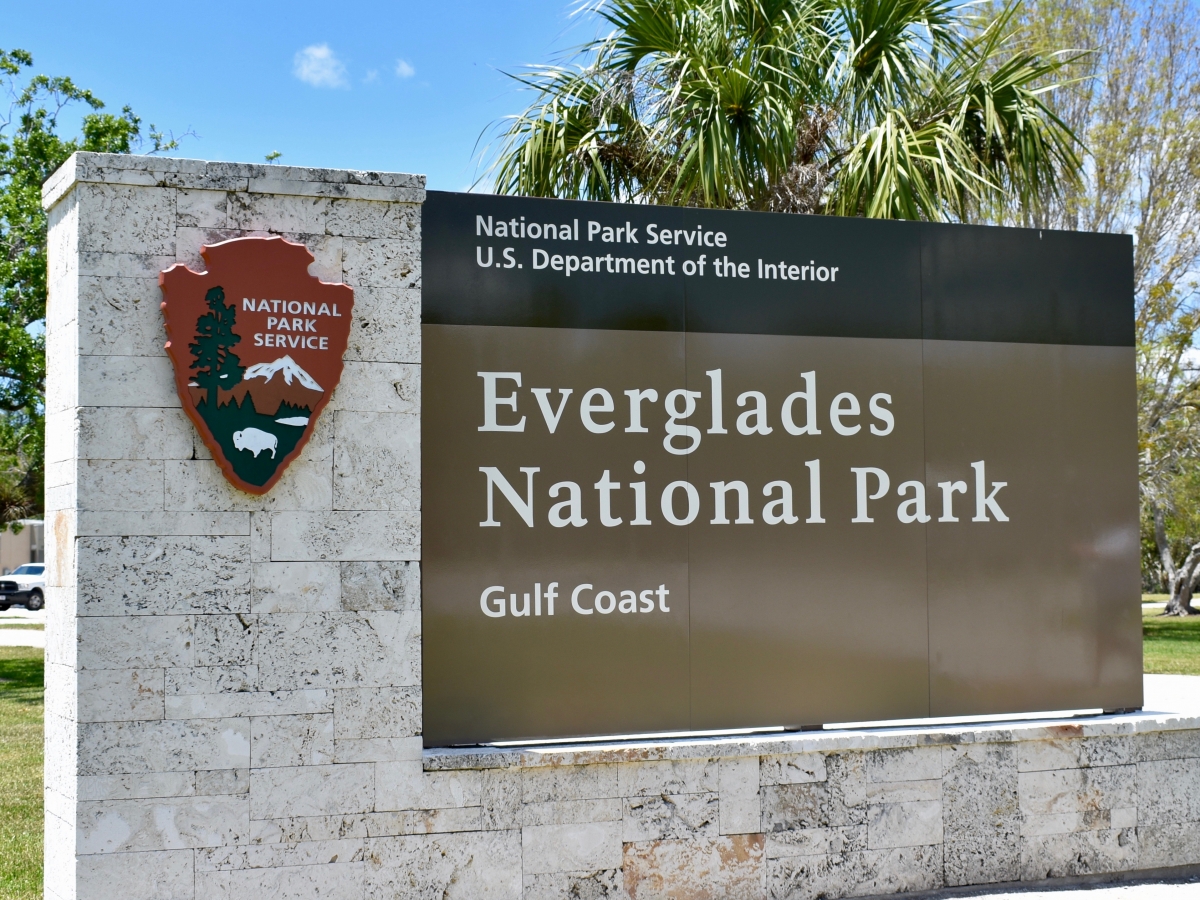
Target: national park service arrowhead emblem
pixel 257 345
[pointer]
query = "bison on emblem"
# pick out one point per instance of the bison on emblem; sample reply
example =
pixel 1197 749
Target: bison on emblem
pixel 254 440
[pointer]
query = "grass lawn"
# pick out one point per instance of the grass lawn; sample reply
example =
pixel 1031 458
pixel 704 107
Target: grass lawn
pixel 20 773
pixel 1170 645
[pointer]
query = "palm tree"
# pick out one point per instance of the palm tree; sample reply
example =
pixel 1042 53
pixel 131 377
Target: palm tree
pixel 885 108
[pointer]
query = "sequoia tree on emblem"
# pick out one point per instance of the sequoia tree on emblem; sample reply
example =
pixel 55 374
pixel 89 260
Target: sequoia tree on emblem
pixel 257 345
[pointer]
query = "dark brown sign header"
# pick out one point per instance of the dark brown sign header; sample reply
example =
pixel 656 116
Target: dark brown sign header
pixel 562 264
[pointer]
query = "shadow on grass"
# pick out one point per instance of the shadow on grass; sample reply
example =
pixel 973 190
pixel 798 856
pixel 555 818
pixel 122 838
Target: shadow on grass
pixel 1171 628
pixel 21 675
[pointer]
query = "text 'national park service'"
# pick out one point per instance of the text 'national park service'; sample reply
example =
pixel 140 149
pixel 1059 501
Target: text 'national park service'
pixel 628 249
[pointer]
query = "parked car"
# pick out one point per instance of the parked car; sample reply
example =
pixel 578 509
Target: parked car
pixel 25 585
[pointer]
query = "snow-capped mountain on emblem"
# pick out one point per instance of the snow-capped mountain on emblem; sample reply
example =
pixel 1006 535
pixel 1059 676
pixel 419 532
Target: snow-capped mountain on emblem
pixel 255 405
pixel 288 367
pixel 294 386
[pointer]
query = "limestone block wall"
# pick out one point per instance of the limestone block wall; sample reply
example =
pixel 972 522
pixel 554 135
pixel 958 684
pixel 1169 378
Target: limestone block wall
pixel 839 814
pixel 220 664
pixel 233 682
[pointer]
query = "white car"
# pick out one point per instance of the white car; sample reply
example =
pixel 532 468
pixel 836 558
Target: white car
pixel 26 584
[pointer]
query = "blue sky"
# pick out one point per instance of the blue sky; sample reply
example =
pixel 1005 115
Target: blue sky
pixel 401 86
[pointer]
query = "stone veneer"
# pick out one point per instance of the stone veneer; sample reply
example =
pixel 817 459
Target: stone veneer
pixel 233 682
pixel 837 814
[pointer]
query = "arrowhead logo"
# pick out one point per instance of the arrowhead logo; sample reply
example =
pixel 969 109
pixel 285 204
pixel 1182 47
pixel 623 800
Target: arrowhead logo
pixel 257 345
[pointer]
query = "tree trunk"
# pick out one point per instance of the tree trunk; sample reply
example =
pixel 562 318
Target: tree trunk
pixel 1183 584
pixel 1163 545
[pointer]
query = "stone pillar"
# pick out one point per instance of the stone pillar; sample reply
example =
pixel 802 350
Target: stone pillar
pixel 221 667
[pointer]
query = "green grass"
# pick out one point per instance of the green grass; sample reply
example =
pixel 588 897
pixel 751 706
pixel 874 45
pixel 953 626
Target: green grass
pixel 1170 644
pixel 24 625
pixel 20 773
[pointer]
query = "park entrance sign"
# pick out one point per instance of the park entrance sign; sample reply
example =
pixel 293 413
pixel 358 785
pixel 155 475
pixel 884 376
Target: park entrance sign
pixel 640 470
pixel 689 470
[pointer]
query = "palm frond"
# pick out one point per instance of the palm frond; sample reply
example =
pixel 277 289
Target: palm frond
pixel 892 108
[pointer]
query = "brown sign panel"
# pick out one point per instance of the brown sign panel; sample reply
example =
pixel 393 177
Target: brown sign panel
pixel 769 471
pixel 525 671
pixel 257 345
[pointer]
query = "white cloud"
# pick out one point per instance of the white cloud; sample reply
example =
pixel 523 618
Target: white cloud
pixel 371 77
pixel 319 66
pixel 404 69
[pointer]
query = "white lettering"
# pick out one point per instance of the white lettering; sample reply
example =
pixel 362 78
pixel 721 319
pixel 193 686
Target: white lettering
pixel 949 489
pixel 639 496
pixel 575 599
pixel 883 415
pixel 860 476
pixel 588 406
pixel 814 492
pixel 569 511
pixel 635 408
pixel 912 510
pixel 606 486
pixel 718 426
pixel 985 503
pixel 486 600
pixel 524 508
pixel 551 416
pixel 753 421
pixel 667 504
pixel 674 429
pixel 491 401
pixel 720 489
pixel 780 510
pixel 839 408
pixel 809 396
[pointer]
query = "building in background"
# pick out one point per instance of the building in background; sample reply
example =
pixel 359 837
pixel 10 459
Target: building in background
pixel 24 547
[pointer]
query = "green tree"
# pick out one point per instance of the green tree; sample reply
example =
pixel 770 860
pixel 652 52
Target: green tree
pixel 1135 104
pixel 30 150
pixel 884 108
pixel 213 360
